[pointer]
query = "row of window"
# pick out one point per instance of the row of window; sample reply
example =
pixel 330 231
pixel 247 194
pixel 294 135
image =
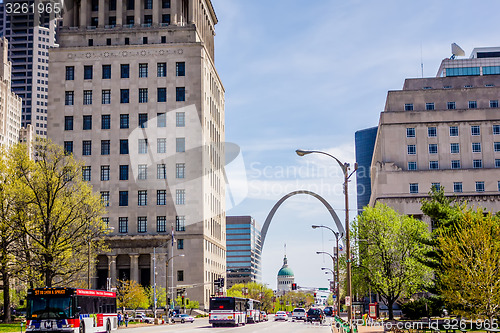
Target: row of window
pixel 432 131
pixel 161 121
pixel 457 187
pixel 148 4
pixel 161 96
pixel 161 71
pixel 142 174
pixel 142 222
pixel 451 105
pixel 454 148
pixel 455 164
pixel 142 198
pixel 468 71
pixel 180 146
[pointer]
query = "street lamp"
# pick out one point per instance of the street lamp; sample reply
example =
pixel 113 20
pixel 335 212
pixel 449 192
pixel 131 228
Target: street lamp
pixel 172 277
pixel 328 269
pixel 347 175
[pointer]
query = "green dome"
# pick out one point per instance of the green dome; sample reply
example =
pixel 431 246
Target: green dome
pixel 285 271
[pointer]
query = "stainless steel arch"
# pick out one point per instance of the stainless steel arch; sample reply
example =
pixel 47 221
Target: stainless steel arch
pixel 265 227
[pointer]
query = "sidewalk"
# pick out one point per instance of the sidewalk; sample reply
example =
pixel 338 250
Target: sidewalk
pixel 370 329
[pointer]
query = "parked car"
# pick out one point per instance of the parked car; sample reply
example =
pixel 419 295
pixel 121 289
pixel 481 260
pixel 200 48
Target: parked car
pixel 182 318
pixel 299 314
pixel 280 315
pixel 315 314
pixel 264 316
pixel 141 317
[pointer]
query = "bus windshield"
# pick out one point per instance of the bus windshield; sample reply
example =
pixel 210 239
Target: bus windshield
pixel 49 308
pixel 222 304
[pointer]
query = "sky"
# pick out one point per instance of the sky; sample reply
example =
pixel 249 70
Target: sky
pixel 309 76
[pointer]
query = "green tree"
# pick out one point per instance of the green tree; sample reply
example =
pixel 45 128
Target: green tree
pixel 161 296
pixel 131 295
pixel 254 290
pixel 389 247
pixel 470 271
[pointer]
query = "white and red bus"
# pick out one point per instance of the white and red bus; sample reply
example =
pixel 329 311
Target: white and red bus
pixel 253 311
pixel 227 311
pixel 71 310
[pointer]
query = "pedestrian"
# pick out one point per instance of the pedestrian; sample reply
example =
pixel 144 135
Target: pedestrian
pixel 119 319
pixel 126 319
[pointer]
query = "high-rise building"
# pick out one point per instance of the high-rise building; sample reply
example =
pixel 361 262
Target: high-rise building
pixel 30 36
pixel 136 96
pixel 364 143
pixel 244 249
pixel 10 103
pixel 443 132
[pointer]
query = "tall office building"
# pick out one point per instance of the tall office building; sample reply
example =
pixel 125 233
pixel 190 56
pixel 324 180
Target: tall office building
pixel 10 103
pixel 136 96
pixel 244 250
pixel 442 131
pixel 364 143
pixel 30 36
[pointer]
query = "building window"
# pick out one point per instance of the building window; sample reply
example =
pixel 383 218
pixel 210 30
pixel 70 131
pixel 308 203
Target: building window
pixel 143 70
pixel 476 147
pixel 130 21
pixel 105 121
pixel 453 130
pixel 68 147
pixel 180 68
pixel 161 145
pixel 87 148
pixel 414 188
pixel 434 165
pixel 124 121
pixel 124 95
pixel 409 107
pixel 429 106
pixel 472 104
pixel 161 119
pixel 457 187
pixel 477 164
pixel 143 95
pixel 180 197
pixel 431 132
pixel 86 174
pixel 410 132
pixel 496 146
pixel 143 146
pixel 454 148
pixel 105 147
pixel 455 164
pixel 180 244
pixel 124 71
pixel 106 97
pixel 87 122
pixel 87 97
pixel 498 186
pixel 436 186
pixel 162 69
pixel 180 145
pixel 87 72
pixel 143 120
pixel 165 18
pixel 180 275
pixel 142 172
pixel 479 186
pixel 161 197
pixel 104 173
pixel 123 225
pixel 494 103
pixel 112 5
pixel 142 222
pixel 69 98
pixel 180 94
pixel 123 198
pixel 411 149
pixel 162 95
pixel 161 171
pixel 123 146
pixel 123 172
pixel 451 105
pixel 70 73
pixel 105 220
pixel 412 166
pixel 180 222
pixel 165 3
pixel 496 129
pixel 475 130
pixel 68 123
pixel 180 119
pixel 433 148
pixel 145 39
pixel 161 224
pixel 180 169
pixel 106 72
pixel 105 198
pixel 497 163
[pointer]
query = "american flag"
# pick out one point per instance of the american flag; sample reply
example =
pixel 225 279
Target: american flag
pixel 173 238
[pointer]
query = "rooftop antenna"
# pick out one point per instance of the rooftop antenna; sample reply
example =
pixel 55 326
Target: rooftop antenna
pixel 456 51
pixel 421 61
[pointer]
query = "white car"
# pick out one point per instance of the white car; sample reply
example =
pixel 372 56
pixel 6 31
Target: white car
pixel 280 315
pixel 182 318
pixel 141 317
pixel 299 314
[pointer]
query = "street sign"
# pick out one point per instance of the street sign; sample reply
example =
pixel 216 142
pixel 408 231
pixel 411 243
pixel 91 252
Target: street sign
pixel 348 301
pixel 323 289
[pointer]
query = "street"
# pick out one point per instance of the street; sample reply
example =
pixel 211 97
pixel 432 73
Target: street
pixel 201 325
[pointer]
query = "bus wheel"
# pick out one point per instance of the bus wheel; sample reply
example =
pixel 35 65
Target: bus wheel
pixel 108 327
pixel 82 327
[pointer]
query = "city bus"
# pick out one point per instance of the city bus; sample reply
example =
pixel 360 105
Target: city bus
pixel 253 311
pixel 70 310
pixel 227 311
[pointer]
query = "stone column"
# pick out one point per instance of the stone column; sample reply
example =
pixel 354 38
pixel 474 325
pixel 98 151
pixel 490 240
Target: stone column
pixel 119 12
pixel 100 14
pixel 83 13
pixel 68 17
pixel 173 12
pixel 134 267
pixel 191 12
pixel 112 269
pixel 137 12
pixel 156 12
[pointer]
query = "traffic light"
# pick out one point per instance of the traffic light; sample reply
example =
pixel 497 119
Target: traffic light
pixel 314 295
pixel 182 299
pixel 294 286
pixel 222 282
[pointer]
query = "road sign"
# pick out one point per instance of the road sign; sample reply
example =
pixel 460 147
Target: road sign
pixel 323 289
pixel 348 301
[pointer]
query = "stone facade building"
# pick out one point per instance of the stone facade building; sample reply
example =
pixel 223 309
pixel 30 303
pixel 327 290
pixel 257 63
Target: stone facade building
pixel 136 96
pixel 285 278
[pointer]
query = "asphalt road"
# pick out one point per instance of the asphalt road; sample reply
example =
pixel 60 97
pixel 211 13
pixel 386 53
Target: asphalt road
pixel 201 325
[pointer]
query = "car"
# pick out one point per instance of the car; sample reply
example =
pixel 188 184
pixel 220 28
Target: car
pixel 328 311
pixel 182 318
pixel 315 314
pixel 264 316
pixel 299 314
pixel 280 315
pixel 142 318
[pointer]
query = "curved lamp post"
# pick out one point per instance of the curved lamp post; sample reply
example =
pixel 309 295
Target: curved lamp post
pixel 345 170
pixel 336 277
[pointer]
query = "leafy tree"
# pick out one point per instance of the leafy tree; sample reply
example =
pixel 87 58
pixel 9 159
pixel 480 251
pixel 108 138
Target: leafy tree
pixel 161 296
pixel 390 249
pixel 254 290
pixel 131 295
pixel 188 304
pixel 470 271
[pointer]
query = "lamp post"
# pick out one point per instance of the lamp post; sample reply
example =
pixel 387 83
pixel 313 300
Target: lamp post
pixel 347 175
pixel 166 274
